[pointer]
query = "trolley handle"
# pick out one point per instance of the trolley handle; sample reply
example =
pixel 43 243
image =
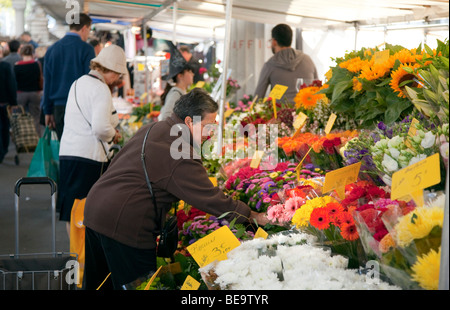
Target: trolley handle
pixel 34 180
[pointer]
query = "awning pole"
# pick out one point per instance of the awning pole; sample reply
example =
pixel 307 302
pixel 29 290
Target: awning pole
pixel 174 16
pixel 444 271
pixel 226 49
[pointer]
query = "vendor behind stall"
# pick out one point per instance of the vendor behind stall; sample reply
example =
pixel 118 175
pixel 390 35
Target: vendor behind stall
pixel 121 225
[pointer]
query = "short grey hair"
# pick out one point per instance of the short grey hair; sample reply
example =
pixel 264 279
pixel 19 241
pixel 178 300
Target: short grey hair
pixel 195 103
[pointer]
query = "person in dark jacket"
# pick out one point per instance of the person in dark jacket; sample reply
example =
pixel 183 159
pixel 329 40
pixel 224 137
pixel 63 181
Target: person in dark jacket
pixel 29 78
pixel 8 96
pixel 64 62
pixel 285 66
pixel 13 55
pixel 120 218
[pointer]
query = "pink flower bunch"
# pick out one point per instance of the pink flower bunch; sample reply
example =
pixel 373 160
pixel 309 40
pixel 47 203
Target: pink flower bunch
pixel 281 214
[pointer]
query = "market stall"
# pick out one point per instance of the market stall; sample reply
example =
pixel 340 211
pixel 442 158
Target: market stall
pixel 354 182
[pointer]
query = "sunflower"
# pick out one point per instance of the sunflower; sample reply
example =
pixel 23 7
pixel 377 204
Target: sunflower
pixel 353 65
pixel 357 85
pixel 319 218
pixel 418 224
pixel 426 270
pixel 372 71
pixel 399 76
pixel 349 232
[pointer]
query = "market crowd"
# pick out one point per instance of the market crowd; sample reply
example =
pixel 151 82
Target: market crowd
pixel 67 88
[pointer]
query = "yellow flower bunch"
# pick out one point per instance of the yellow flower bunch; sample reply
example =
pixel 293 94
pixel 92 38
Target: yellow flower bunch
pixel 426 270
pixel 302 215
pixel 418 224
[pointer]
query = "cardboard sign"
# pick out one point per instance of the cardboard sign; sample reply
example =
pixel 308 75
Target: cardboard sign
pixel 190 284
pixel 278 91
pixel 381 57
pixel 330 123
pixel 228 113
pixel 337 179
pixel 413 179
pixel 256 159
pixel 300 120
pixel 261 233
pixel 214 246
pixel 200 84
pixel 213 180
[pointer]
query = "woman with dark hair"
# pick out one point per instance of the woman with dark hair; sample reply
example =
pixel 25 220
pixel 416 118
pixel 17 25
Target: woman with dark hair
pixel 182 75
pixel 122 223
pixel 29 84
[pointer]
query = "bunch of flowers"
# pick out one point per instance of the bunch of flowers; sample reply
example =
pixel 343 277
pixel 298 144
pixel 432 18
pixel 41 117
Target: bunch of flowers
pixel 242 105
pixel 411 249
pixel 400 151
pixel 290 199
pixel 370 90
pixel 285 262
pixel 308 96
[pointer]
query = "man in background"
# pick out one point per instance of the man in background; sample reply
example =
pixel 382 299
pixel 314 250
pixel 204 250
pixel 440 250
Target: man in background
pixel 13 55
pixel 285 66
pixel 65 61
pixel 26 38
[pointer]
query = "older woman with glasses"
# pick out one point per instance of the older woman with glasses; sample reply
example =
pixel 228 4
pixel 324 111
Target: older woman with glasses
pixel 90 123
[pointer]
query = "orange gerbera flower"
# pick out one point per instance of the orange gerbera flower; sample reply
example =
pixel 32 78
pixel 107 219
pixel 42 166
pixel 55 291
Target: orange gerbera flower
pixel 400 75
pixel 357 85
pixel 319 218
pixel 349 232
pixel 307 97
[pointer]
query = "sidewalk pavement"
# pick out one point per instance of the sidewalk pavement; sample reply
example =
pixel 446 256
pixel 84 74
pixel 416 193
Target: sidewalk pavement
pixel 35 218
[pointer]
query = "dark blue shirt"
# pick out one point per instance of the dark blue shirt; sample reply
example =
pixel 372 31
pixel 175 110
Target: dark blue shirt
pixel 65 61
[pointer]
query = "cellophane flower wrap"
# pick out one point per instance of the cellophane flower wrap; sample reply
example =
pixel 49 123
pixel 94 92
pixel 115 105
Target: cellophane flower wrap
pixel 333 225
pixel 410 252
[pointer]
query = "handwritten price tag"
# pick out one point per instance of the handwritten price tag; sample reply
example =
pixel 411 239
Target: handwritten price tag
pixel 300 120
pixel 413 179
pixel 278 91
pixel 190 284
pixel 337 179
pixel 213 180
pixel 200 84
pixel 228 113
pixel 214 246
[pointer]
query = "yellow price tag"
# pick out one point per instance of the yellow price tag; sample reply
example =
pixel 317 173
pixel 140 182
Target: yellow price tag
pixel 300 120
pixel 381 57
pixel 213 180
pixel 278 91
pixel 200 84
pixel 228 113
pixel 214 246
pixel 261 233
pixel 141 67
pixel 337 179
pixel 330 123
pixel 190 284
pixel 256 159
pixel 413 179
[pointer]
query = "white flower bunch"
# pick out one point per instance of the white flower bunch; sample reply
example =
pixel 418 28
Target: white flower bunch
pixel 391 155
pixel 287 262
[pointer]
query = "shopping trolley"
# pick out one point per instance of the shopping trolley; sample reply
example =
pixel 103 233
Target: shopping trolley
pixel 23 131
pixel 38 271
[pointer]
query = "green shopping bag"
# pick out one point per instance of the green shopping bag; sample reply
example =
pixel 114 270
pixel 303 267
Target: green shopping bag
pixel 45 161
